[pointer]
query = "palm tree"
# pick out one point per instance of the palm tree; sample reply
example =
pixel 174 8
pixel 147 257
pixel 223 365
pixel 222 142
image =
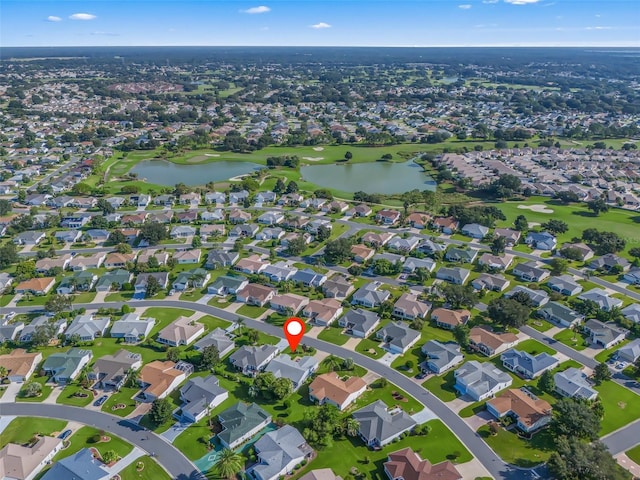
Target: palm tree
pixel 351 426
pixel 332 362
pixel 240 323
pixel 3 372
pixel 229 464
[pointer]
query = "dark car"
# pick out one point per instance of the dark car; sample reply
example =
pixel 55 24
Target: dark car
pixel 64 435
pixel 100 401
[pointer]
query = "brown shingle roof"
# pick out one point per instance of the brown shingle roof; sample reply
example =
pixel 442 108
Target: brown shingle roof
pixel 329 385
pixel 528 410
pixel 408 465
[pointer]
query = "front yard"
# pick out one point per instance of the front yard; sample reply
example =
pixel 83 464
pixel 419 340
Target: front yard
pixel 84 438
pixel 150 470
pixel 517 450
pixel 333 334
pixel 122 397
pixel 71 395
pixel 620 406
pixel 251 311
pixel 571 339
pixel 22 429
pixel 46 390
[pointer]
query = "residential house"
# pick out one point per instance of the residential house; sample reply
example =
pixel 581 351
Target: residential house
pixel 565 285
pixel 132 328
pixel 314 203
pixel 491 283
pixel 560 314
pixel 219 339
pixel 338 287
pixel 143 279
pixel 290 199
pixel 215 197
pixel 114 279
pixel 440 357
pixel 456 275
pixel 188 256
pixel 182 231
pixel 29 237
pixel 265 197
pixel 19 364
pixel 321 474
pixel 632 276
pixel 255 294
pixel 475 230
pixel 64 367
pixel 288 303
pixel 379 425
pixel 314 225
pixel 359 323
pixel 377 240
pixel 158 379
pixel 250 265
pixel 79 281
pixel 446 225
pixel 406 464
pixel 370 295
pixel 94 261
pixel 497 262
pixel 196 278
pixel 68 236
pixel 362 253
pixel 335 206
pixel 573 383
pixel 297 370
pixel 5 281
pixel 216 215
pixel 511 237
pixel 584 251
pixel 529 412
pixel 429 247
pixel 630 352
pixel 189 216
pixel 602 298
pixel 330 388
pixel 362 210
pixel 161 256
pixel 491 343
pixel 604 335
pixel 252 360
pixel 271 218
pixel 97 235
pixel 279 452
pixel 526 364
pixel 450 319
pixel 610 261
pixel 208 232
pixel 191 198
pixel 462 255
pixel 538 297
pixel 270 233
pixel 53 328
pixel 279 271
pixel 541 240
pixel 323 312
pixel 403 244
pixel 240 423
pixel 530 272
pixel 78 466
pixel 397 337
pixel 119 260
pixel 237 216
pixel 183 331
pixel 87 327
pixel 248 230
pixel 199 396
pixel 25 462
pixel 309 278
pixel 418 220
pixel 164 200
pixel 411 264
pixel 409 307
pixel 632 312
pixel 227 285
pixel 110 372
pixel 36 286
pixel 480 380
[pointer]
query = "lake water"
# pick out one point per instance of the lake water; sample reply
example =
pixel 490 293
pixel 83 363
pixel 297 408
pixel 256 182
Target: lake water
pixel 376 177
pixel 164 172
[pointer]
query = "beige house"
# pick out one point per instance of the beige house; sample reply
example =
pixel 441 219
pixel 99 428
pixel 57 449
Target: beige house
pixel 36 286
pixel 288 302
pixel 450 319
pixel 323 312
pixel 25 463
pixel 408 306
pixel 491 343
pixel 330 388
pixel 20 364
pixel 181 332
pixel 159 379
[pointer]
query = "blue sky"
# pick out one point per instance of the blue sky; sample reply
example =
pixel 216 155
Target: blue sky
pixel 323 22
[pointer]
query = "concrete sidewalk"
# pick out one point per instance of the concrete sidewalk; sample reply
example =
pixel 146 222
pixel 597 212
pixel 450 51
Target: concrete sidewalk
pixel 125 462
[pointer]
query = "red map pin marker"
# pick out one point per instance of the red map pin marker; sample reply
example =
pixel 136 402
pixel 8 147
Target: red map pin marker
pixel 294 331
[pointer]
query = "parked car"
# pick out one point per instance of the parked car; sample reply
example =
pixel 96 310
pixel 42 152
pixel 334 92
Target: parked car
pixel 64 435
pixel 100 401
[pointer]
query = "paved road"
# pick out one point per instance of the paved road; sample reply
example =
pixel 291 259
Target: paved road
pixel 178 466
pixel 623 439
pixel 494 464
pixel 57 171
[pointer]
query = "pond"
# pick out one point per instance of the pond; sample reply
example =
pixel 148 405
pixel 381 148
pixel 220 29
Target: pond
pixel 163 172
pixel 377 177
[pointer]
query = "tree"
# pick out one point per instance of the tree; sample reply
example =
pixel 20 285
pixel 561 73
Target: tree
pixel 210 357
pixel 32 389
pixel 161 411
pixel 546 383
pixel 282 388
pixel 459 295
pixel 153 287
pixel 521 224
pixel 105 206
pixel 323 233
pixel 228 464
pixel 508 312
pixel 348 156
pixel 351 426
pixel 110 456
pixel 338 250
pixel 571 253
pixel 597 206
pixel 5 207
pixel 461 334
pixel 556 226
pixel 558 266
pixel 173 354
pixel 577 460
pixel 601 373
pixel 280 186
pixel 154 232
pixel 296 246
pixel 253 336
pixel 498 245
pixel 573 418
pixel 116 238
pixel 123 248
pixel 8 255
pixel 58 303
pixel 292 187
pixel 332 362
pixel 196 242
pixel 355 270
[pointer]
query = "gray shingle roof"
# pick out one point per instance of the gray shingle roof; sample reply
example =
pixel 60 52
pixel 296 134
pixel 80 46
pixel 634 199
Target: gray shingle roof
pixel 377 423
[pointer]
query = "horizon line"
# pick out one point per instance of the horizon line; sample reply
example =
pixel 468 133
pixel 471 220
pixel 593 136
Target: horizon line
pixel 344 46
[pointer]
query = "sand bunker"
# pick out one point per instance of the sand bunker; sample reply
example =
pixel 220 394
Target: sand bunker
pixel 533 224
pixel 536 208
pixel 318 149
pixel 211 154
pixel 197 159
pixel 313 159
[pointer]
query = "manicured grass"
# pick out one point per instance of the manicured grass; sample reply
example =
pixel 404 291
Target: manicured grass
pixel 193 295
pixel 263 339
pixel 620 406
pixel 150 471
pixel 46 390
pixel 385 393
pixel 119 297
pixel 33 300
pixel 333 334
pixel 370 347
pixel 252 311
pixel 21 429
pixel 5 299
pixel 540 325
pixel 442 386
pixel 571 339
pixel 604 355
pixel 357 371
pixel 85 297
pixel 437 446
pixel 123 396
pixel 83 438
pixel 534 347
pixel 67 398
pixel 220 302
pixel 174 399
pixel 519 451
pixel 634 454
pixel 211 323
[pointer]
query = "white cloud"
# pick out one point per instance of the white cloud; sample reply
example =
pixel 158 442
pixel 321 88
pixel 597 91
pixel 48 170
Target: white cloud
pixel 599 28
pixel 53 18
pixel 320 25
pixel 82 16
pixel 254 10
pixel 490 1
pixel 466 6
pixel 521 2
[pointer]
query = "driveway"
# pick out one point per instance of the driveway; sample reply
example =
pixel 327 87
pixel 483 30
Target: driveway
pixel 478 420
pixel 10 392
pixel 175 430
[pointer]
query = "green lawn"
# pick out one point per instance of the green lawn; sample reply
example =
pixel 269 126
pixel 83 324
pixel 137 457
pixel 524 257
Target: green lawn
pixel 124 396
pixel 540 325
pixel 5 299
pixel 193 295
pixel 370 348
pixel 119 297
pixel 211 323
pixel 333 334
pixel 252 311
pixel 85 297
pixel 83 438
pixel 442 386
pixel 174 399
pixel 634 454
pixel 21 429
pixel 437 446
pixel 519 451
pixel 620 406
pixel 604 355
pixel 534 347
pixel 150 471
pixel 571 339
pixel 46 390
pixel 386 394
pixel 67 396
